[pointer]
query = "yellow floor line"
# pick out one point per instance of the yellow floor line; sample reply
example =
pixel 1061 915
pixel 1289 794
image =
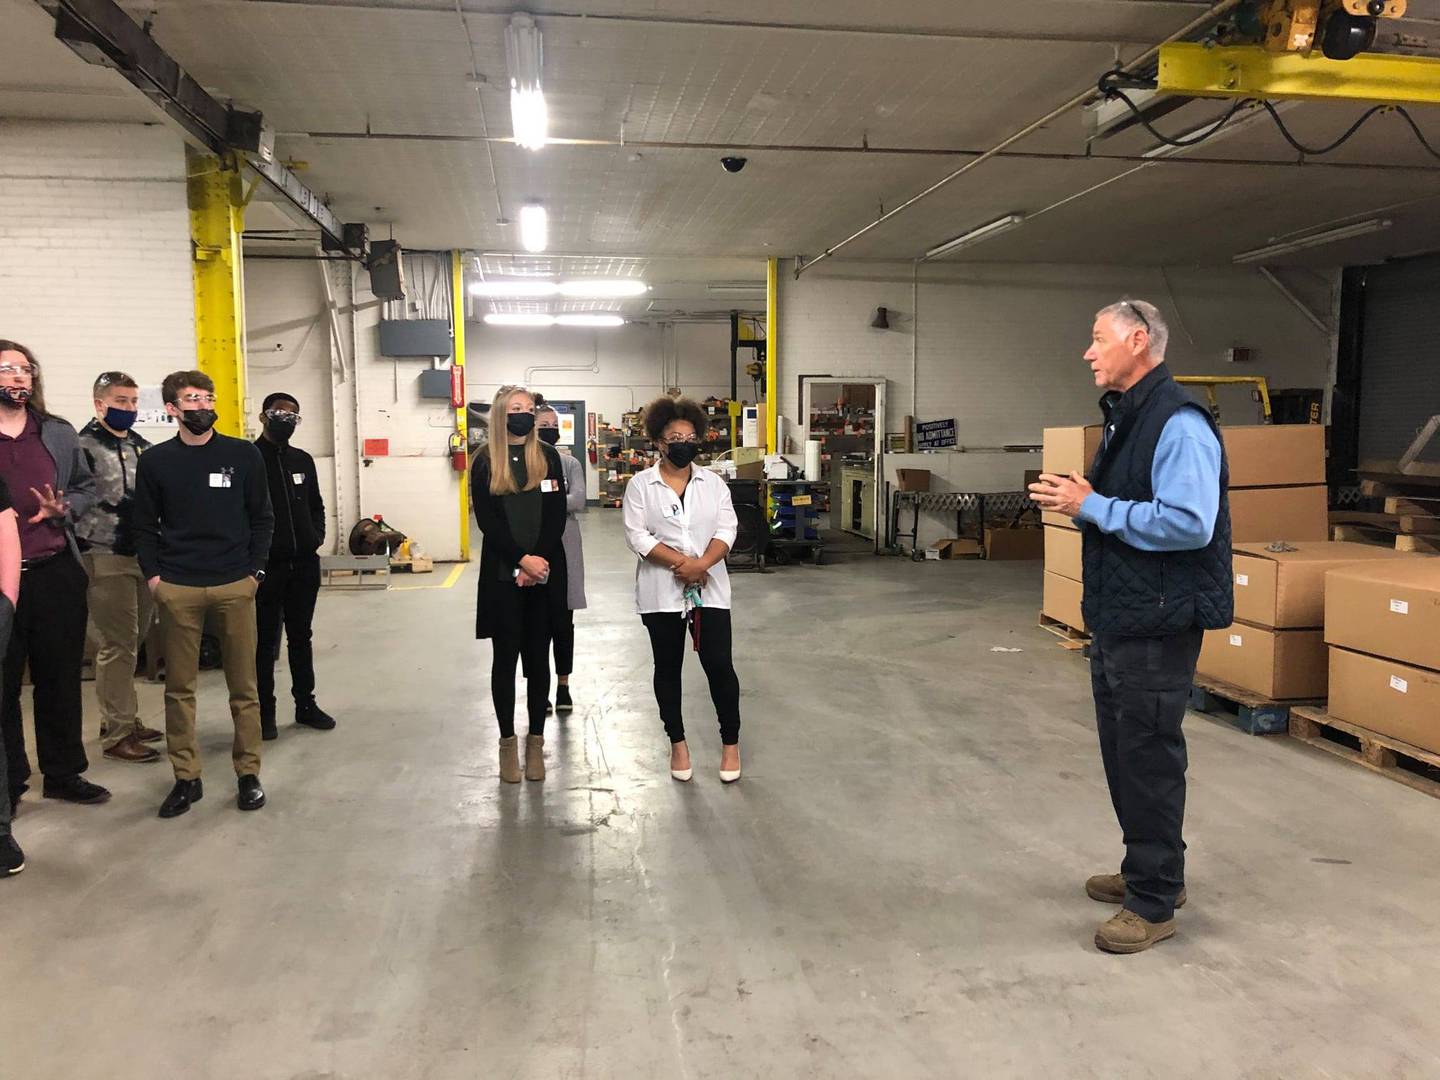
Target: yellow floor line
pixel 450 579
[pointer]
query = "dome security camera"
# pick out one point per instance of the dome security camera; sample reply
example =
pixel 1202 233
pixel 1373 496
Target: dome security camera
pixel 733 164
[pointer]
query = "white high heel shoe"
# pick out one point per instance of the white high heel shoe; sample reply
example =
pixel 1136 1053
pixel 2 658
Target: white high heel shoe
pixel 728 776
pixel 683 775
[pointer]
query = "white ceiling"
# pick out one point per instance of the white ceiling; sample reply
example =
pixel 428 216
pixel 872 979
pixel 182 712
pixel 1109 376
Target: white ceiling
pixel 376 99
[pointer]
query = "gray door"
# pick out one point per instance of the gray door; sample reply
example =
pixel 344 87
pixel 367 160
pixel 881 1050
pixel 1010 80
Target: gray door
pixel 1400 373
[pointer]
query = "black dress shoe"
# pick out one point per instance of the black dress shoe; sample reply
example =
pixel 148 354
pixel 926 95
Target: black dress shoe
pixel 563 704
pixel 269 732
pixel 313 716
pixel 12 859
pixel 75 789
pixel 252 795
pixel 181 796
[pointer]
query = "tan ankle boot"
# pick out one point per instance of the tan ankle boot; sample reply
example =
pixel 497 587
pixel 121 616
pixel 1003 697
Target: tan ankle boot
pixel 510 760
pixel 534 757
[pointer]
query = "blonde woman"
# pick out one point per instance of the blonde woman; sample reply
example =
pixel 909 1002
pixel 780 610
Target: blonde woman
pixel 517 486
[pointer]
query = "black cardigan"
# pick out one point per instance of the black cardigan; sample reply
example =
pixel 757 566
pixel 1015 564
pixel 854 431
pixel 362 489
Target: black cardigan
pixel 497 596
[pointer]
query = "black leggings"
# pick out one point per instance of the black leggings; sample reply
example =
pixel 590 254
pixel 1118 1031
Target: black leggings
pixel 668 641
pixel 565 643
pixel 530 639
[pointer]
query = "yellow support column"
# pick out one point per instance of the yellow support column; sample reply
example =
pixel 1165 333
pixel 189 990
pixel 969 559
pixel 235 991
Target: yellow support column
pixel 217 200
pixel 772 355
pixel 462 418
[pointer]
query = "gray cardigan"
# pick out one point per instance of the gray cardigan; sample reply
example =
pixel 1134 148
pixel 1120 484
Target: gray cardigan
pixel 72 472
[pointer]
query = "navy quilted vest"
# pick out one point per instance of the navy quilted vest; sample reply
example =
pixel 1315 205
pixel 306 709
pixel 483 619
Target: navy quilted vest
pixel 1151 593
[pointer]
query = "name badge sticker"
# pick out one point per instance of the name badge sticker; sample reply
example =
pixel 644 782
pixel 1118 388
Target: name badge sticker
pixel 549 485
pixel 219 480
pixel 298 477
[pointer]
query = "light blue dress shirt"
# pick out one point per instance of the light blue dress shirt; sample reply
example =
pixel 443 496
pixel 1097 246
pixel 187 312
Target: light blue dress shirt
pixel 1185 477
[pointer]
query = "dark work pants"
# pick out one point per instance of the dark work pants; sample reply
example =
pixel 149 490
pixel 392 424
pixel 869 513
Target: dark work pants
pixel 669 638
pixel 49 631
pixel 565 644
pixel 1142 689
pixel 286 599
pixel 529 639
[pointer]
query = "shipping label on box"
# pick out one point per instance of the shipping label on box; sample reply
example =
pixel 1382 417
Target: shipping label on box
pixel 1387 696
pixel 1275 455
pixel 1389 609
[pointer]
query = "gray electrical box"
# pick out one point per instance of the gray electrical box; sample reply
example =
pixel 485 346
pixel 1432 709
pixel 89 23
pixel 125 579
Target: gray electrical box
pixel 435 384
pixel 414 337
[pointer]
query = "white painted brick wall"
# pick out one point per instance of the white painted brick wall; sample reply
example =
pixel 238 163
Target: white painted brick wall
pixel 95 253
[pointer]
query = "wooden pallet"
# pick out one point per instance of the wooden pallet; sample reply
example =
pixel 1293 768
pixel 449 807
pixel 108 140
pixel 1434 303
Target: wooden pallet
pixel 1070 638
pixel 1400 761
pixel 1252 713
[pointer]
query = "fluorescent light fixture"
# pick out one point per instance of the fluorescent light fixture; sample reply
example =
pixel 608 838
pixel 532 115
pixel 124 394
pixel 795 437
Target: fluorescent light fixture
pixel 603 288
pixel 976 236
pixel 737 288
pixel 1319 239
pixel 590 320
pixel 518 319
pixel 514 290
pixel 534 228
pixel 524 56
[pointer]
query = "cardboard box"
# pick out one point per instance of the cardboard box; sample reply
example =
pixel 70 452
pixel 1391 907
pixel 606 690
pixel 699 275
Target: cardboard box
pixel 1070 449
pixel 1007 544
pixel 1062 601
pixel 1286 589
pixel 1275 455
pixel 1389 609
pixel 1392 698
pixel 956 548
pixel 1264 515
pixel 912 479
pixel 1063 553
pixel 1059 521
pixel 1277 664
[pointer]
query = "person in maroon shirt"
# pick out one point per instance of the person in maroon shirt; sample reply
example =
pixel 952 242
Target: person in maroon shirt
pixel 51 486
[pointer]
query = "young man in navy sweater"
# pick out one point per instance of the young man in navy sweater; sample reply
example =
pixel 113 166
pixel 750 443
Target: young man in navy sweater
pixel 202 533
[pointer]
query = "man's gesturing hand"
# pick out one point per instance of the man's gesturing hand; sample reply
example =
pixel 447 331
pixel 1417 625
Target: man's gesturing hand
pixel 1061 494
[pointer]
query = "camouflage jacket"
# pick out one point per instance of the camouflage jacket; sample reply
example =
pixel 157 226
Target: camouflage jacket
pixel 106 525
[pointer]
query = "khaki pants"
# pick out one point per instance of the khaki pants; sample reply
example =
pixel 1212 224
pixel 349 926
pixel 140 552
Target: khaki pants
pixel 182 621
pixel 120 612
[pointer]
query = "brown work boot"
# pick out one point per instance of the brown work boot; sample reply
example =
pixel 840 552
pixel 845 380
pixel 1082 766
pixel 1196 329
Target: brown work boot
pixel 1110 889
pixel 147 734
pixel 132 750
pixel 534 757
pixel 510 760
pixel 1129 933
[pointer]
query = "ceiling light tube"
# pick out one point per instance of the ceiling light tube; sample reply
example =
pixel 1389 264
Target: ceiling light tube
pixel 514 290
pixel 524 56
pixel 534 228
pixel 1304 243
pixel 590 320
pixel 603 288
pixel 496 318
pixel 976 236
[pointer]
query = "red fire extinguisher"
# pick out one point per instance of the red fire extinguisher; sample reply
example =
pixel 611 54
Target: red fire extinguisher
pixel 459 458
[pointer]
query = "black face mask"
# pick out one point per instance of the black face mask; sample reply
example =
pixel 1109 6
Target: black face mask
pixel 550 435
pixel 520 424
pixel 279 430
pixel 120 419
pixel 199 421
pixel 682 454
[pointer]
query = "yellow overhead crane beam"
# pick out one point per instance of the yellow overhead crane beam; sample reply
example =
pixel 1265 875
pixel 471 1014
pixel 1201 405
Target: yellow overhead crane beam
pixel 1252 71
pixel 217 201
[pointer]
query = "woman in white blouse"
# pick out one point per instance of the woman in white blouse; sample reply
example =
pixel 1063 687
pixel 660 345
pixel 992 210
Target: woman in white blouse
pixel 681 522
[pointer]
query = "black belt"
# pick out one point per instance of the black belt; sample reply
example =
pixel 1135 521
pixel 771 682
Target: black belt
pixel 31 564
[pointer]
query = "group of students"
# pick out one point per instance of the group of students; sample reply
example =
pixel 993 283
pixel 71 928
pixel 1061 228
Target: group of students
pixel 679 521
pixel 99 531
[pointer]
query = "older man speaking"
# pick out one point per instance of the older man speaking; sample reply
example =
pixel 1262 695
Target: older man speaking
pixel 1155 518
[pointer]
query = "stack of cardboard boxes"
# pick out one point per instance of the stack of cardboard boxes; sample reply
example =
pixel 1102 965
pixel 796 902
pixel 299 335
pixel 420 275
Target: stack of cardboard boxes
pixel 1066 450
pixel 1382 622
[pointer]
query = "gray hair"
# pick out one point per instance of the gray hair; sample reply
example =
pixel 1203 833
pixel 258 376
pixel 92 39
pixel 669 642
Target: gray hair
pixel 1141 315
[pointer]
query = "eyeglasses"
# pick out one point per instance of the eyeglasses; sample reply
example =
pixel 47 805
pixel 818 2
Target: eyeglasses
pixel 676 440
pixel 9 371
pixel 284 417
pixel 198 399
pixel 1139 315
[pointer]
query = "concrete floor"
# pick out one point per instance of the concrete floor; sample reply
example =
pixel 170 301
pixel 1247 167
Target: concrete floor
pixel 893 890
